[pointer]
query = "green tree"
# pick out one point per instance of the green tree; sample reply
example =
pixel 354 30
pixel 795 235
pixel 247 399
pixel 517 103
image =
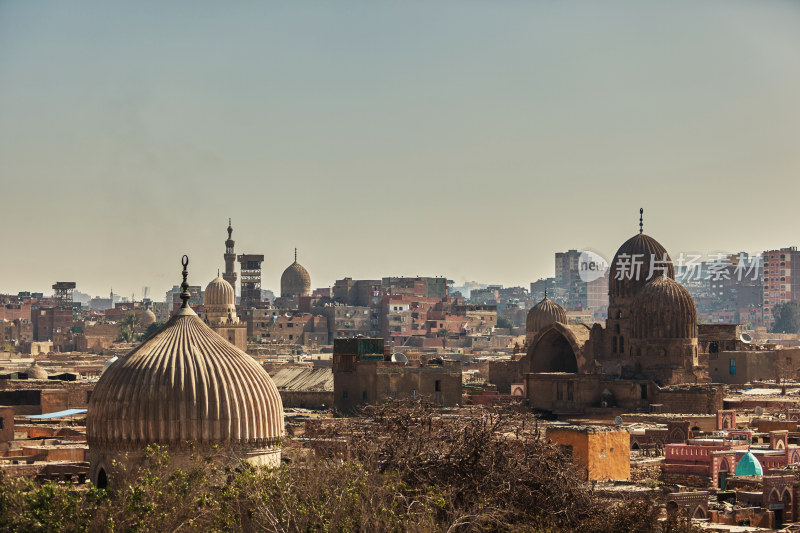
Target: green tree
pixel 504 322
pixel 786 318
pixel 128 328
pixel 152 328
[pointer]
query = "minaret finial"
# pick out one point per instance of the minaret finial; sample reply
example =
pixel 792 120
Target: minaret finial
pixel 230 228
pixel 185 285
pixel 641 220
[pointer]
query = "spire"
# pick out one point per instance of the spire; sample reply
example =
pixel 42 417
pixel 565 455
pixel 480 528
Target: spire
pixel 217 272
pixel 295 255
pixel 545 293
pixel 230 229
pixel 641 221
pixel 185 285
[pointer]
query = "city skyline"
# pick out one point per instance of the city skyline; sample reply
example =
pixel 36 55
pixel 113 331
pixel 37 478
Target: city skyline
pixel 458 140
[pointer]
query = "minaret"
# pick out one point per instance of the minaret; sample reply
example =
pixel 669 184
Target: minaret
pixel 230 258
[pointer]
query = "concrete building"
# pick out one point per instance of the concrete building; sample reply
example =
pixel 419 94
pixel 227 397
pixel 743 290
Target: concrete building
pixel 602 452
pixel 364 373
pixel 250 269
pixel 781 280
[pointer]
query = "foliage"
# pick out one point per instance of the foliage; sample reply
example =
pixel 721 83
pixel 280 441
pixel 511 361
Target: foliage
pixel 504 322
pixel 152 329
pixel 407 468
pixel 786 318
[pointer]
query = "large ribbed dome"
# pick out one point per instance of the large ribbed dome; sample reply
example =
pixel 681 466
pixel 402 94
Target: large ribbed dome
pixel 664 309
pixel 544 313
pixel 295 281
pixel 219 292
pixel 639 250
pixel 185 383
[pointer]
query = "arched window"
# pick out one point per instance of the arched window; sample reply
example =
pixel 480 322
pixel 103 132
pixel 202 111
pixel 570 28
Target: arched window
pixel 614 345
pixel 622 345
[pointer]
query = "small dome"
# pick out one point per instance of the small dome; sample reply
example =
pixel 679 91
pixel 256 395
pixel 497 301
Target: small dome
pixel 664 309
pixel 36 372
pixel 147 318
pixel 543 314
pixel 109 363
pixel 748 465
pixel 185 383
pixel 640 250
pixel 219 292
pixel 295 281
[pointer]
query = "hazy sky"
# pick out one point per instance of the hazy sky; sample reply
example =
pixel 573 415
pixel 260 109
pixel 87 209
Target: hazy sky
pixel 466 139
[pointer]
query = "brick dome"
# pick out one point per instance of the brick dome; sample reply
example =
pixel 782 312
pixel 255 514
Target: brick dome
pixel 295 281
pixel 664 309
pixel 543 314
pixel 147 318
pixel 642 249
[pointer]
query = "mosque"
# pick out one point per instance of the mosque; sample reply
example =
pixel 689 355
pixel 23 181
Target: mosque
pixel 189 389
pixel 650 340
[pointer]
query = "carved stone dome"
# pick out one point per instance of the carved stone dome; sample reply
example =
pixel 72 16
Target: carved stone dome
pixel 185 383
pixel 664 309
pixel 295 281
pixel 219 292
pixel 147 318
pixel 637 253
pixel 544 313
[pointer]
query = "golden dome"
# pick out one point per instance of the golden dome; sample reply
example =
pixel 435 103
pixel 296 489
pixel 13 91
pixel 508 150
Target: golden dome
pixel 219 292
pixel 543 314
pixel 664 309
pixel 185 383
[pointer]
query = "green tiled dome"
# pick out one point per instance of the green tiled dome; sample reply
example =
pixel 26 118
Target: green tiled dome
pixel 748 465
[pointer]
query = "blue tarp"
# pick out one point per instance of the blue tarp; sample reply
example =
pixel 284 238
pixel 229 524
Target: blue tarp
pixel 59 414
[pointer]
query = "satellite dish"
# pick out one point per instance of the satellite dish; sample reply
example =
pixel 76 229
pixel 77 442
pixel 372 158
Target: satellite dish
pixel 746 338
pixel 759 410
pixel 617 420
pixel 399 357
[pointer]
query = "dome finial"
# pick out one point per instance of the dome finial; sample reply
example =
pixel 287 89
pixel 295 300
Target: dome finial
pixel 545 293
pixel 641 221
pixel 295 255
pixel 217 272
pixel 185 285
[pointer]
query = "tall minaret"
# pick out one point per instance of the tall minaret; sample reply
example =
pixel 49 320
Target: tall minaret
pixel 230 259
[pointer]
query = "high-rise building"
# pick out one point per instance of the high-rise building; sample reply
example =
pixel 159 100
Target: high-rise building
pixel 781 279
pixel 230 259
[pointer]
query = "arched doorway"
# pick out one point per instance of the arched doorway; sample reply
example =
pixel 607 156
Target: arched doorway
pixel 724 469
pixel 102 478
pixel 553 353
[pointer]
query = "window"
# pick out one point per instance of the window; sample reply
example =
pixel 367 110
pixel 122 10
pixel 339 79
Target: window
pixel 438 387
pixel 569 391
pixel 364 396
pixel 344 395
pixel 2 423
pixel 732 366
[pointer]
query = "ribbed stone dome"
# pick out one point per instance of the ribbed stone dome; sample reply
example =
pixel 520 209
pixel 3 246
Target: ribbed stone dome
pixel 185 383
pixel 147 318
pixel 749 465
pixel 544 313
pixel 639 250
pixel 295 281
pixel 664 309
pixel 219 292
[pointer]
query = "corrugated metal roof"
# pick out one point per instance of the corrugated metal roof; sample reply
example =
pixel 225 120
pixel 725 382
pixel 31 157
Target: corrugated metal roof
pixel 305 379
